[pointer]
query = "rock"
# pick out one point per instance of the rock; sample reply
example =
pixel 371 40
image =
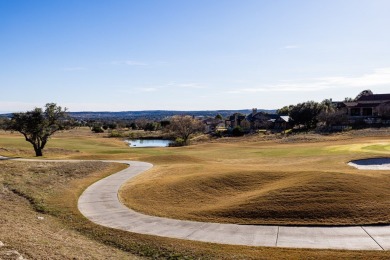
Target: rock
pixel 1 244
pixel 14 254
pixel 41 218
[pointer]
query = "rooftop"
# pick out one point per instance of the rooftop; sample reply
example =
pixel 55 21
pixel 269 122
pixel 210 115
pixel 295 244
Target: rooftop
pixel 374 97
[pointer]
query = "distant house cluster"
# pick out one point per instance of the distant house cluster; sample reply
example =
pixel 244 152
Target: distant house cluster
pixel 366 109
pixel 258 120
pixel 252 122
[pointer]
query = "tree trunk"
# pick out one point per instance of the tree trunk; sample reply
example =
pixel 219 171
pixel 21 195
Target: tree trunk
pixel 186 141
pixel 38 151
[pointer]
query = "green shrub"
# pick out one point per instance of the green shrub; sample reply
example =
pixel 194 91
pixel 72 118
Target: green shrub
pixel 97 129
pixel 178 142
pixel 238 131
pixel 115 133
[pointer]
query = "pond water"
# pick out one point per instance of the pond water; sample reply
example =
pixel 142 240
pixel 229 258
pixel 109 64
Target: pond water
pixel 149 143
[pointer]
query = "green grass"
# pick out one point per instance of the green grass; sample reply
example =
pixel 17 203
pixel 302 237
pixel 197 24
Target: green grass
pixel 378 148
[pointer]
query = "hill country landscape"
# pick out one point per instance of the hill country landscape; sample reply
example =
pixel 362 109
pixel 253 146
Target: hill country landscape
pixel 194 129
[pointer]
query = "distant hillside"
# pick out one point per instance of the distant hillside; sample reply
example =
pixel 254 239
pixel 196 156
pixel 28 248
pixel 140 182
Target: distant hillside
pixel 158 114
pixel 154 114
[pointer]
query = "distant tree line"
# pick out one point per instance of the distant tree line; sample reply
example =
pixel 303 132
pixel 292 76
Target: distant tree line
pixel 179 127
pixel 100 126
pixel 38 125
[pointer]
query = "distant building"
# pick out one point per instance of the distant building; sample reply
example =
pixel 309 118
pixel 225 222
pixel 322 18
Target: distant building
pixel 213 125
pixel 235 120
pixel 261 120
pixel 368 104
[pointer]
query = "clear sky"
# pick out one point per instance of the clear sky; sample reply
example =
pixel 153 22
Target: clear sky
pixel 117 55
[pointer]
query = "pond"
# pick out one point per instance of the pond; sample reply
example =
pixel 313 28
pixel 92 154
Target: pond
pixel 149 143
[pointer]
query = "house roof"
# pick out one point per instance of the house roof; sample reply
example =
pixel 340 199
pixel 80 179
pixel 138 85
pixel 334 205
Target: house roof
pixel 374 97
pixel 261 116
pixel 236 115
pixel 370 104
pixel 209 121
pixel 285 118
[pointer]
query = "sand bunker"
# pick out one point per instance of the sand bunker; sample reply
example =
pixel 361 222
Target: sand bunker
pixel 371 164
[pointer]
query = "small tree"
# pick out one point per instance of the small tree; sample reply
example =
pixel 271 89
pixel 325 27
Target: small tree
pixel 284 110
pixel 37 125
pixel 330 115
pixel 97 128
pixel 333 117
pixel 238 131
pixel 3 122
pixel 164 123
pixel 184 126
pixel 152 126
pixel 305 113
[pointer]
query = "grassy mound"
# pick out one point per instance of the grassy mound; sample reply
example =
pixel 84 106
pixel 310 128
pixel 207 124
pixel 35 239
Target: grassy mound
pixel 40 220
pixel 258 183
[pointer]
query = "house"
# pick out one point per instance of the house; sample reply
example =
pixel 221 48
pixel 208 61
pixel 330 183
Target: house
pixel 368 106
pixel 235 120
pixel 283 123
pixel 261 120
pixel 213 125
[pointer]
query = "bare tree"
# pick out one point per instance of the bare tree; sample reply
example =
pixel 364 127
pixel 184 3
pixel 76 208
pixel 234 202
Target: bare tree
pixel 184 126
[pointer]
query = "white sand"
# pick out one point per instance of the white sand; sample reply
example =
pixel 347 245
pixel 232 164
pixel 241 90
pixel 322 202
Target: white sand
pixel 371 164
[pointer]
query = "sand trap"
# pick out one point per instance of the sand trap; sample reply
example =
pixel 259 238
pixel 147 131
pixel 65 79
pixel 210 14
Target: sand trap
pixel 371 164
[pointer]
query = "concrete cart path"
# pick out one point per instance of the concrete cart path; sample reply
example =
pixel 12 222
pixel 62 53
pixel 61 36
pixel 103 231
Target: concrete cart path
pixel 100 204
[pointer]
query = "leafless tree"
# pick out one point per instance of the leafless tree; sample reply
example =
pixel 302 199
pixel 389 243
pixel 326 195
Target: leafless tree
pixel 184 126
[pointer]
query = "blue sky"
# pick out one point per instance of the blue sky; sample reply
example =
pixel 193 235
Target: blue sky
pixel 190 55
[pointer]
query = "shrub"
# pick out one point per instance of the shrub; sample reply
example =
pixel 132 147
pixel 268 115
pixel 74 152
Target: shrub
pixel 178 142
pixel 238 131
pixel 115 133
pixel 97 129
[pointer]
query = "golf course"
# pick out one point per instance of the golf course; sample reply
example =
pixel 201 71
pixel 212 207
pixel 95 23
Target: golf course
pixel 298 180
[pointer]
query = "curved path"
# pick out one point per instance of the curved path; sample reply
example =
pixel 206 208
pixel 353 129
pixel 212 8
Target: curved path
pixel 100 204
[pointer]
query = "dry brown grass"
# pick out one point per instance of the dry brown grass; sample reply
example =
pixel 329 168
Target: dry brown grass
pixel 25 189
pixel 267 183
pixel 67 234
